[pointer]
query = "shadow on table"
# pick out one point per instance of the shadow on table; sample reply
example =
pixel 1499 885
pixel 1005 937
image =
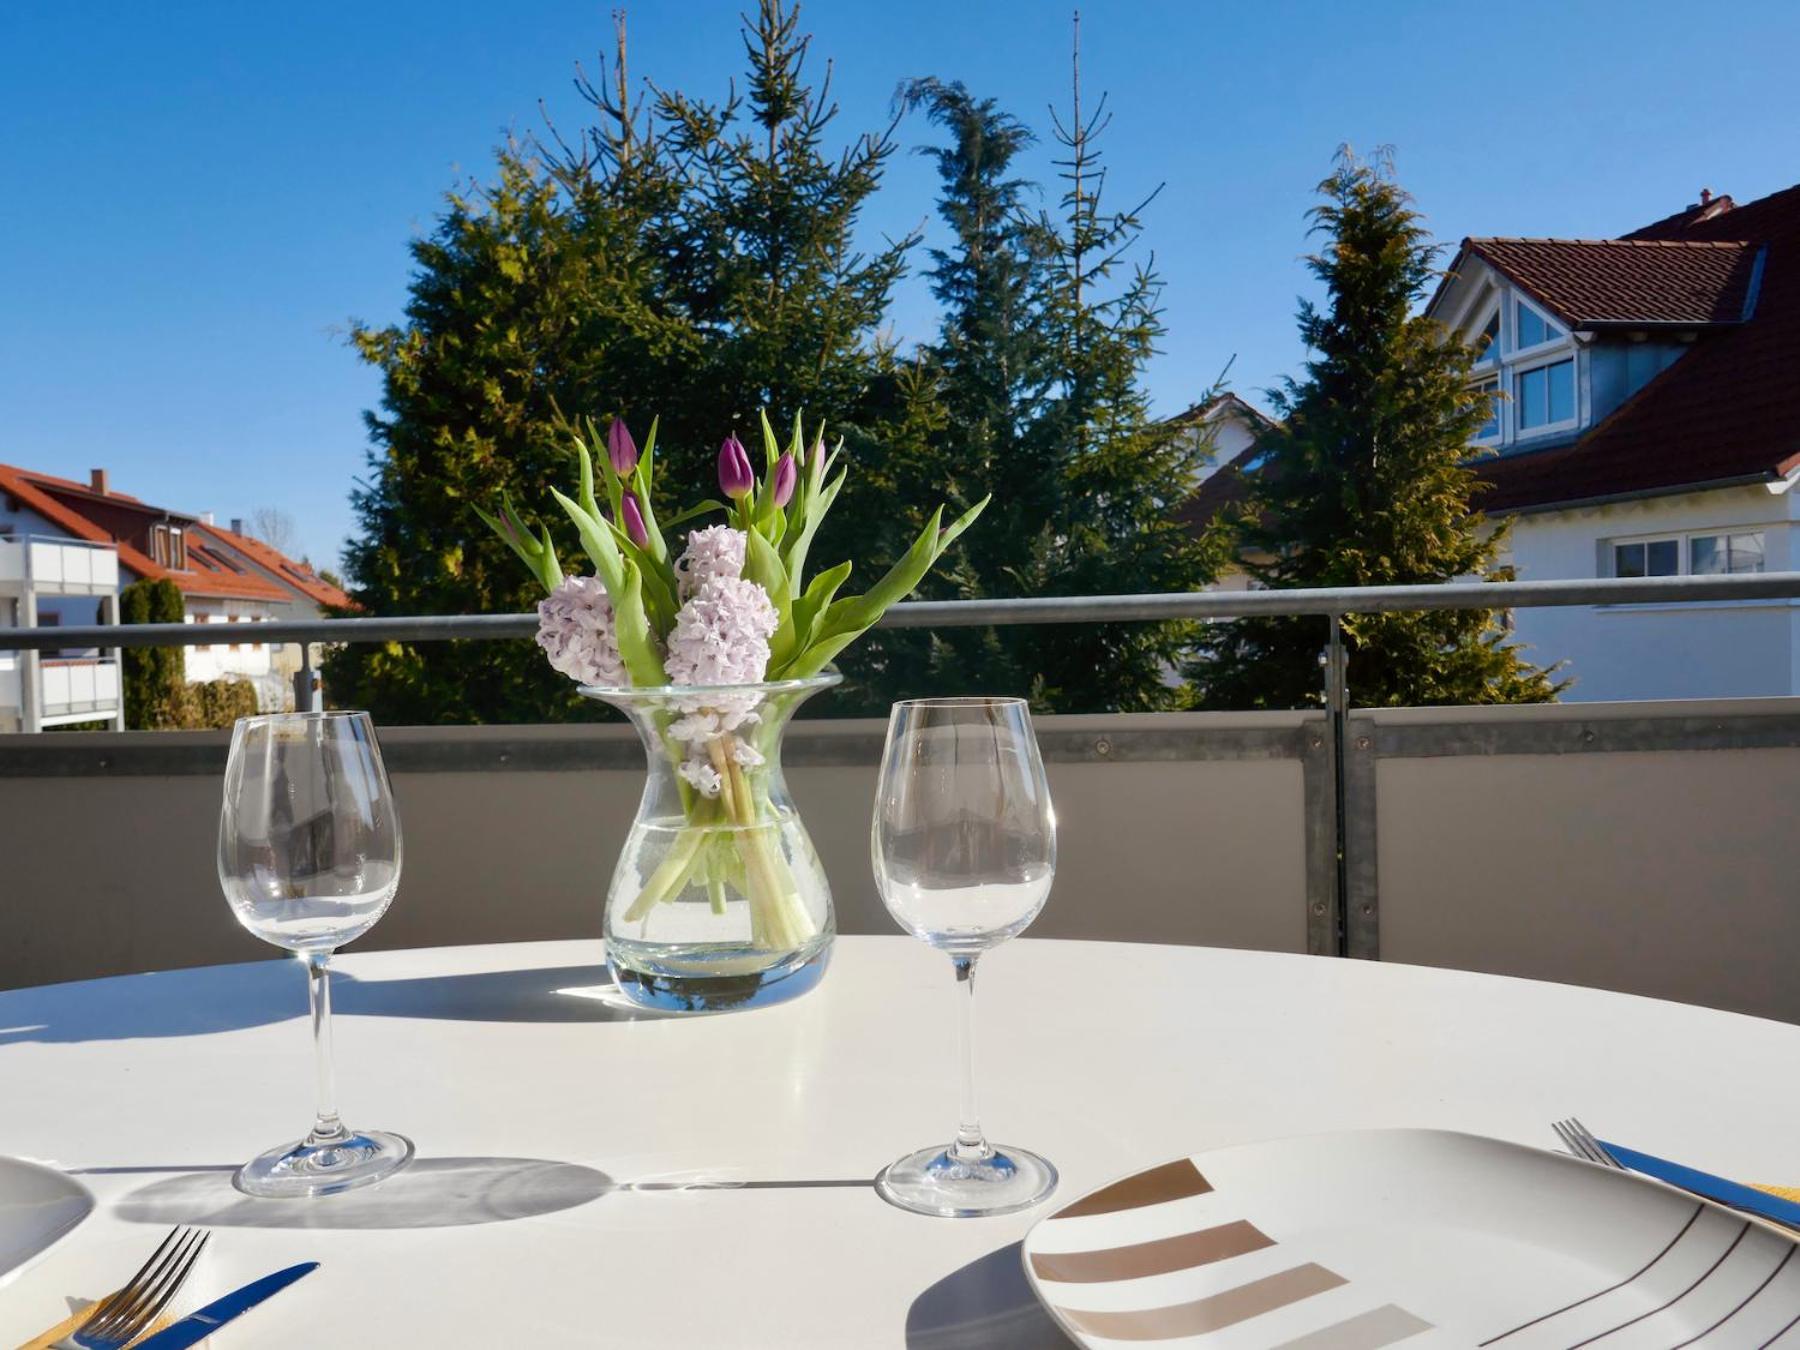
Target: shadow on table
pixel 429 1193
pixel 985 1305
pixel 230 998
pixel 555 994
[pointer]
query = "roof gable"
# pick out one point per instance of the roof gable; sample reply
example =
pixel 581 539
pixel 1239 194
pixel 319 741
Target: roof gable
pixel 1727 412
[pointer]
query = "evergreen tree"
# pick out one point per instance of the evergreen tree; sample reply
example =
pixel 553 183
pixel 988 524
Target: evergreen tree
pixel 679 258
pixel 1366 483
pixel 1038 371
pixel 155 677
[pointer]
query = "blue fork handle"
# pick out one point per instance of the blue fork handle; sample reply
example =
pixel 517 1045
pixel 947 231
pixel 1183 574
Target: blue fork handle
pixel 1726 1192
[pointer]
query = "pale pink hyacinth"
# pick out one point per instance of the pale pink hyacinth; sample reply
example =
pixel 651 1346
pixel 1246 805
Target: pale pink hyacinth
pixel 721 637
pixel 716 551
pixel 576 631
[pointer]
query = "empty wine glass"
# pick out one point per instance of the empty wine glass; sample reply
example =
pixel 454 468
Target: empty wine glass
pixel 964 848
pixel 309 857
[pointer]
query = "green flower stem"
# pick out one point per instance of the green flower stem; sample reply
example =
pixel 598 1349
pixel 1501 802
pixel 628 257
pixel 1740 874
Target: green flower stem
pixel 672 875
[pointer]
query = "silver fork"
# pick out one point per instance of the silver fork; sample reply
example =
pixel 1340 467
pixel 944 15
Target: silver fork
pixel 1580 1141
pixel 121 1317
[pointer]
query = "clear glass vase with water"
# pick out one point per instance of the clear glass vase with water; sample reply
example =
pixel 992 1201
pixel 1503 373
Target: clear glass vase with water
pixel 718 899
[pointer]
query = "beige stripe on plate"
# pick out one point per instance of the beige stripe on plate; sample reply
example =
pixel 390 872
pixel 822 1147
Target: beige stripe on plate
pixel 1367 1331
pixel 1171 1181
pixel 1208 1314
pixel 1151 1258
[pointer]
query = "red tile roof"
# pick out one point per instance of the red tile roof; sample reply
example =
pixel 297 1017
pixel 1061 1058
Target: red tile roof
pixel 1225 485
pixel 1589 282
pixel 67 504
pixel 298 575
pixel 1726 412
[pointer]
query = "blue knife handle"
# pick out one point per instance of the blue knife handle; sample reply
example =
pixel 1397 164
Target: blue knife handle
pixel 1733 1193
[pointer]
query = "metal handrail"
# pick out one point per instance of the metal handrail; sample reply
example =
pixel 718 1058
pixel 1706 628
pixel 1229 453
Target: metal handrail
pixel 1336 603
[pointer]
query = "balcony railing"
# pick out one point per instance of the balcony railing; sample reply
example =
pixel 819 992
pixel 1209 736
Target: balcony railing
pixel 1645 847
pixel 58 566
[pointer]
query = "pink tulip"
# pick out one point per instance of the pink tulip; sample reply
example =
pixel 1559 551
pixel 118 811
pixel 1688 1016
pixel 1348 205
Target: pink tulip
pixel 633 517
pixel 736 477
pixel 787 475
pixel 620 448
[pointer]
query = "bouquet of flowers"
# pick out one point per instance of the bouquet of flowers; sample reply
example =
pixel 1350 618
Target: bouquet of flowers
pixel 736 608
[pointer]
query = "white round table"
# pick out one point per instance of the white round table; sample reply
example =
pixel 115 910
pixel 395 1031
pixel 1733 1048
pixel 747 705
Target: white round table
pixel 586 1176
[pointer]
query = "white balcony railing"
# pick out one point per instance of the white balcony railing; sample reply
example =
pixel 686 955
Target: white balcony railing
pixel 59 566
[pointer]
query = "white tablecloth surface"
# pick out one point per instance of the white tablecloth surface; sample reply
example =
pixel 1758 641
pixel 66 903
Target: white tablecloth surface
pixel 585 1177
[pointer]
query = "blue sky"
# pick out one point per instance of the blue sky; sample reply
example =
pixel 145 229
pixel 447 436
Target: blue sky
pixel 199 197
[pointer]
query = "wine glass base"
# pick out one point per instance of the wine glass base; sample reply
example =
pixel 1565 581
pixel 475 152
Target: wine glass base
pixel 361 1158
pixel 931 1181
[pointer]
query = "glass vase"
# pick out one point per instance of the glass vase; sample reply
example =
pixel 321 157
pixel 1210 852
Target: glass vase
pixel 718 900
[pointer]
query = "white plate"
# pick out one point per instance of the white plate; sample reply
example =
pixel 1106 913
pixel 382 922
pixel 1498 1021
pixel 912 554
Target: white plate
pixel 38 1207
pixel 1360 1240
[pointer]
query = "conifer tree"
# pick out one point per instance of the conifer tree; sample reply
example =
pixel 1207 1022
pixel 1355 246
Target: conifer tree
pixel 676 257
pixel 1038 368
pixel 1366 483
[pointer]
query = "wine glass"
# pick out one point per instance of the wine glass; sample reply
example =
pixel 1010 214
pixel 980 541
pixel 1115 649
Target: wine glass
pixel 964 848
pixel 309 857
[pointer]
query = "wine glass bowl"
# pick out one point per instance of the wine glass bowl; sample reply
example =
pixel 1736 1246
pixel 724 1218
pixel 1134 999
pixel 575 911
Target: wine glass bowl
pixel 309 859
pixel 963 846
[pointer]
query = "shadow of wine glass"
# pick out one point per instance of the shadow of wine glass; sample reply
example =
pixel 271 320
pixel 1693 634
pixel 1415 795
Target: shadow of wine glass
pixel 985 1305
pixel 229 998
pixel 428 1193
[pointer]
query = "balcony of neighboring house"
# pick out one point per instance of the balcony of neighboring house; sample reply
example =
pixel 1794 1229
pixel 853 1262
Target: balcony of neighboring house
pixel 50 583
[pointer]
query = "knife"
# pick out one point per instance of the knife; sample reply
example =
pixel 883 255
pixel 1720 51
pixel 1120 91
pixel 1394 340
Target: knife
pixel 1733 1193
pixel 199 1325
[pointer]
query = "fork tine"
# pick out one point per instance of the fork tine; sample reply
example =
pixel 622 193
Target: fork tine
pixel 1600 1150
pixel 163 1287
pixel 131 1310
pixel 175 1281
pixel 108 1305
pixel 1574 1141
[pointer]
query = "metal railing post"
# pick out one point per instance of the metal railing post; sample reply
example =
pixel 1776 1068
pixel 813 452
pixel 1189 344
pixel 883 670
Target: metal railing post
pixel 1337 715
pixel 309 688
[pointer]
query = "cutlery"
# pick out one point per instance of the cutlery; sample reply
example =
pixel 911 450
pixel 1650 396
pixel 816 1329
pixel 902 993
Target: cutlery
pixel 198 1325
pixel 122 1316
pixel 1580 1141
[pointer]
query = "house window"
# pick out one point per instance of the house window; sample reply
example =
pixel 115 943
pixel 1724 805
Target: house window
pixel 1487 346
pixel 1544 396
pixel 1647 558
pixel 168 547
pixel 1532 329
pixel 1490 429
pixel 1714 554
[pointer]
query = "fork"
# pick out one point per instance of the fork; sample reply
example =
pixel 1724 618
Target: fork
pixel 124 1315
pixel 1580 1141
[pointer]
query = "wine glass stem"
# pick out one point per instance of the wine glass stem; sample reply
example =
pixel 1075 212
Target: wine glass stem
pixel 327 1128
pixel 971 1145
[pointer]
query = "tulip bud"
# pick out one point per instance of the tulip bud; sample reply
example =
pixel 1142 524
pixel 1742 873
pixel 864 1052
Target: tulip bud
pixel 818 452
pixel 787 475
pixel 620 448
pixel 633 516
pixel 736 477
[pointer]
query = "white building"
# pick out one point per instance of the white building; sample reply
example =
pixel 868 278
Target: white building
pixel 1647 424
pixel 225 577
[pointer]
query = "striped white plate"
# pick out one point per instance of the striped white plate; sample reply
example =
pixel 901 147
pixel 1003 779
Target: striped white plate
pixel 1359 1240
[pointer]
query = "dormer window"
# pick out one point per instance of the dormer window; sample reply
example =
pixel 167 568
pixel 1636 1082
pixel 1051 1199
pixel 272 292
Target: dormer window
pixel 168 547
pixel 1544 396
pixel 1490 429
pixel 1487 345
pixel 1532 329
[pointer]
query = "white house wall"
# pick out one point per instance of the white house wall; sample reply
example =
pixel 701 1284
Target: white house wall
pixel 1736 649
